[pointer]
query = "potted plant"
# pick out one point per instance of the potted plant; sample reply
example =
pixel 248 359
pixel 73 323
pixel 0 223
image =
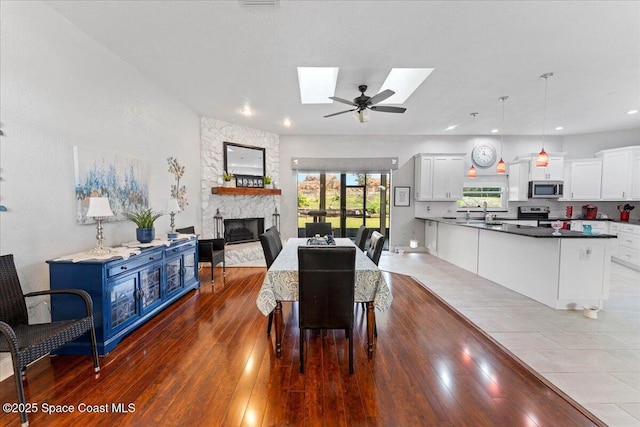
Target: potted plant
pixel 267 182
pixel 227 179
pixel 144 219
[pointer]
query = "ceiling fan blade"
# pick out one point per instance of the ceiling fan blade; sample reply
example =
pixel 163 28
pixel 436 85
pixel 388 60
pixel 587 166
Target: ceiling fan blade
pixel 341 112
pixel 387 109
pixel 380 97
pixel 344 101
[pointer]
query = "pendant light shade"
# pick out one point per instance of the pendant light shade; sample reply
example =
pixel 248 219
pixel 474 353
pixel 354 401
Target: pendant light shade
pixel 472 173
pixel 501 167
pixel 542 161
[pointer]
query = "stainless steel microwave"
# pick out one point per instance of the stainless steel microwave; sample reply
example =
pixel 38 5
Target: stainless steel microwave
pixel 545 189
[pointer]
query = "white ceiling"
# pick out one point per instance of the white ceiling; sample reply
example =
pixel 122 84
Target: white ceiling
pixel 216 55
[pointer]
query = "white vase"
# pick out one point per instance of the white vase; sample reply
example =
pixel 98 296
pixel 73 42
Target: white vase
pixel 268 186
pixel 228 184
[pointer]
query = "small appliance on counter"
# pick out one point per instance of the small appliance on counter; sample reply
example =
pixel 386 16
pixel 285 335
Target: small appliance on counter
pixel 589 212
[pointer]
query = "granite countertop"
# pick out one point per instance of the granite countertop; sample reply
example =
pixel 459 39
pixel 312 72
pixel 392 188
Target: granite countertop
pixel 521 230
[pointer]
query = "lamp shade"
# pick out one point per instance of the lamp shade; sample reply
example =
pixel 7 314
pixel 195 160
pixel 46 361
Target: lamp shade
pixel 501 168
pixel 172 205
pixel 99 207
pixel 472 172
pixel 542 161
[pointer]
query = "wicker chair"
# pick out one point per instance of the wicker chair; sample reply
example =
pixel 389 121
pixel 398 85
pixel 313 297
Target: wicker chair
pixel 209 250
pixel 26 342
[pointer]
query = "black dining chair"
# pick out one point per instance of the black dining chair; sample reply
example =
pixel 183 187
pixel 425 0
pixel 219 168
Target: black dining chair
pixel 373 252
pixel 28 342
pixel 321 228
pixel 326 292
pixel 271 246
pixel 276 233
pixel 361 237
pixel 209 250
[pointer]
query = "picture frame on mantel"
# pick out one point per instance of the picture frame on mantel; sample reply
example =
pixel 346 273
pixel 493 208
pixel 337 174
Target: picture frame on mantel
pixel 249 181
pixel 401 196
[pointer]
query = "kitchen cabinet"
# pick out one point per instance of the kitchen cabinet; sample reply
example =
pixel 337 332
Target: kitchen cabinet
pixel 553 172
pixel 601 227
pixel 628 251
pixel 635 176
pixel 618 173
pixel 125 293
pixel 439 176
pixel 584 180
pixel 518 181
pixel 614 229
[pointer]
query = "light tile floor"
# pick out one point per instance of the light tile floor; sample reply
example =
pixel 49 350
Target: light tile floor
pixel 595 361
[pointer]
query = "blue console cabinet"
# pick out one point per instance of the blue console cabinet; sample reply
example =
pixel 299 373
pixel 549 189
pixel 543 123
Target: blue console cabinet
pixel 125 293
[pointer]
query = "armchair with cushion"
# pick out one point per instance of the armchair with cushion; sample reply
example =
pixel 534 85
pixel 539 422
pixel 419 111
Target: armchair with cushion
pixel 27 342
pixel 209 250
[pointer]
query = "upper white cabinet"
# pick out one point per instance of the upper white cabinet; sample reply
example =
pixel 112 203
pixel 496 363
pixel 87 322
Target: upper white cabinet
pixel 518 181
pixel 439 176
pixel 553 172
pixel 620 178
pixel 584 179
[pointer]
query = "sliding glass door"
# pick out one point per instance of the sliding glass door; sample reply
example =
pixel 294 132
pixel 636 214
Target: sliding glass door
pixel 346 200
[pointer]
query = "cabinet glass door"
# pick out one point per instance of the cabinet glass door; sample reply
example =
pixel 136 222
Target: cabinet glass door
pixel 190 267
pixel 149 287
pixel 173 275
pixel 123 301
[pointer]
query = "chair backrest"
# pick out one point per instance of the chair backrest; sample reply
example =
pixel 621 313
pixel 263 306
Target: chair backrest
pixel 321 228
pixel 13 308
pixel 274 230
pixel 361 237
pixel 269 247
pixel 186 230
pixel 375 247
pixel 326 286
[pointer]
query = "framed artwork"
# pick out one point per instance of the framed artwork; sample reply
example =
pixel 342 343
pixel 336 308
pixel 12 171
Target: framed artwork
pixel 401 196
pixel 248 181
pixel 124 180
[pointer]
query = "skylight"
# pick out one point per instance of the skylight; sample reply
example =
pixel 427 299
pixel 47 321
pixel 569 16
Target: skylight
pixel 404 81
pixel 317 84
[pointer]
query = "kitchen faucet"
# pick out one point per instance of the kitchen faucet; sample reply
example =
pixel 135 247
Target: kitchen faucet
pixel 484 207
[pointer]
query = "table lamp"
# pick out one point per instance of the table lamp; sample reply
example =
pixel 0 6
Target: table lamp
pixel 173 208
pixel 99 209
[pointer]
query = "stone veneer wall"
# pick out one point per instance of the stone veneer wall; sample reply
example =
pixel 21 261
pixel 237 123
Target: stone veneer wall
pixel 213 134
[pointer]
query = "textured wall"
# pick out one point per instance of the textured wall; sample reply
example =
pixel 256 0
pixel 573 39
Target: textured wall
pixel 213 134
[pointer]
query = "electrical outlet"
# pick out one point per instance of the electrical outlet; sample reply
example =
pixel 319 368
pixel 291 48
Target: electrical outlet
pixel 585 253
pixel 428 208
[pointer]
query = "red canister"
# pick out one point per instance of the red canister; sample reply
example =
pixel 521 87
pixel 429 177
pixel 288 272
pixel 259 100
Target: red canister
pixel 569 211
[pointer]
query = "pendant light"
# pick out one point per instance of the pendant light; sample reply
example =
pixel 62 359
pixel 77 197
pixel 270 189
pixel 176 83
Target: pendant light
pixel 501 168
pixel 472 173
pixel 543 158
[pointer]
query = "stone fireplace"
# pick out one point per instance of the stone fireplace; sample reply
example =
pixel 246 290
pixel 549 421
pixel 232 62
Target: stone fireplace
pixel 242 230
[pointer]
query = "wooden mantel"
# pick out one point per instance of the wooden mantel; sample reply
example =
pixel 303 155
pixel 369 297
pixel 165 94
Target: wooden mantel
pixel 245 191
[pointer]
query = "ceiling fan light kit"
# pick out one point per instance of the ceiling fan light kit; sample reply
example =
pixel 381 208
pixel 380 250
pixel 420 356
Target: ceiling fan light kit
pixel 363 103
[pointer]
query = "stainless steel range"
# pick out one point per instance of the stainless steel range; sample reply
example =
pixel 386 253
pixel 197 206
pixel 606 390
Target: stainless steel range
pixel 541 213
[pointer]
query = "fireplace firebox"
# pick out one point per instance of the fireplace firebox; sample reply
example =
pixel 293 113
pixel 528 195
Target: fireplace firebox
pixel 243 230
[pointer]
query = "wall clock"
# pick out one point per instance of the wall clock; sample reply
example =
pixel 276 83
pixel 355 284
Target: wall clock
pixel 484 155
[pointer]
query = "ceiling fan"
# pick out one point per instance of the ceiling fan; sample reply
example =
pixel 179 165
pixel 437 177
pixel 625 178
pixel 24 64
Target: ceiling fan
pixel 364 102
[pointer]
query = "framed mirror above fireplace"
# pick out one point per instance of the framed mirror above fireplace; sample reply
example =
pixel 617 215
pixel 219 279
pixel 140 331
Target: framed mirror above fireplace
pixel 244 159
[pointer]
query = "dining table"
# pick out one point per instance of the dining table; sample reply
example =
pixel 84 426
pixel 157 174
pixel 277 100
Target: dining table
pixel 281 284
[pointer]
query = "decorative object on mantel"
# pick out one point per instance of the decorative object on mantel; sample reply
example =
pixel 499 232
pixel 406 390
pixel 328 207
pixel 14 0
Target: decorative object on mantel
pixel 228 177
pixel 218 225
pixel 173 208
pixel 144 219
pixel 276 219
pixel 249 181
pixel 542 161
pixel 472 170
pixel 267 182
pixel 501 168
pixel 177 192
pixel 99 209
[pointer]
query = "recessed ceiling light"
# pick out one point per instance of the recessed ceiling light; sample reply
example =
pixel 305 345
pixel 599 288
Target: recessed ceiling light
pixel 317 84
pixel 495 130
pixel 286 123
pixel 451 127
pixel 246 110
pixel 560 128
pixel 404 81
pixel 632 112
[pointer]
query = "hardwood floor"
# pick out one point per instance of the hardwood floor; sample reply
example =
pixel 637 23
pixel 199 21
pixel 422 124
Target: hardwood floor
pixel 206 361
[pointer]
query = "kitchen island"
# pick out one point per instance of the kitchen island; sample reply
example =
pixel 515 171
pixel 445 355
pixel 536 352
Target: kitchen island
pixel 568 271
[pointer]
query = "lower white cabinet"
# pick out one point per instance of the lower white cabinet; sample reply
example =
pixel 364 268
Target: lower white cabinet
pixel 628 245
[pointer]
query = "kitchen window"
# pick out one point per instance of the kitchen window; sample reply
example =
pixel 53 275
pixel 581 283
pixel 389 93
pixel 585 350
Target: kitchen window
pixel 491 190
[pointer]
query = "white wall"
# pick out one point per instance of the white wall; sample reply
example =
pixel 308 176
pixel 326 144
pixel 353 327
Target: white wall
pixel 585 145
pixel 60 88
pixel 403 223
